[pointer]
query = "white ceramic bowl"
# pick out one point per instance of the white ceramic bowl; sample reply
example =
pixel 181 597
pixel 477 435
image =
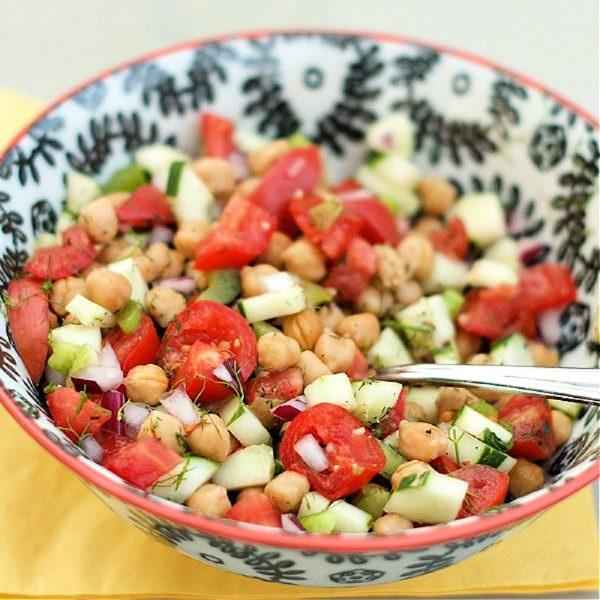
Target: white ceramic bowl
pixel 476 123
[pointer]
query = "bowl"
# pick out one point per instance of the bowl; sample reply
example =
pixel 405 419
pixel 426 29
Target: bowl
pixel 476 123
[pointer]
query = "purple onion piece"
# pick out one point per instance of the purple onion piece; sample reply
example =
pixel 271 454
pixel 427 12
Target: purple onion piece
pixel 239 162
pixel 98 379
pixel 534 254
pixel 160 233
pixel 286 411
pixel 290 522
pixel 113 401
pixel 229 373
pixel 91 447
pixel 134 416
pixel 89 385
pixel 183 285
pixel 179 405
pixel 311 453
pixel 548 324
pixel 55 377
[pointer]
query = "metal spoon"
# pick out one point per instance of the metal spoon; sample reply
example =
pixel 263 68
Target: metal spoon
pixel 563 383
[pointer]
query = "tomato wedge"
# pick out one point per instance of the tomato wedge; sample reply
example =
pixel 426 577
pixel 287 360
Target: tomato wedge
pixel 217 135
pixel 359 368
pixel 243 233
pixel 487 312
pixel 75 413
pixel 146 206
pixel 255 508
pixel 142 462
pixel 378 222
pixel 443 464
pixel 391 421
pixel 453 240
pixel 531 420
pixel 28 320
pixel 136 348
pixel 546 286
pixel 198 340
pixel 354 458
pixel 76 253
pixel 487 488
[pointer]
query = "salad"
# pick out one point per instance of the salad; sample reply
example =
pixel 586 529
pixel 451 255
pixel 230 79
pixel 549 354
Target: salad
pixel 209 328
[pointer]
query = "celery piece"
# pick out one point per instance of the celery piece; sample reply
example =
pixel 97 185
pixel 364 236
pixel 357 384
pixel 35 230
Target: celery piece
pixel 126 179
pixel 299 140
pixel 223 286
pixel 262 327
pixel 129 317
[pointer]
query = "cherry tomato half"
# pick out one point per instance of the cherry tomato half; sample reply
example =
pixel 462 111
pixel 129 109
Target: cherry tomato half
pixel 255 508
pixel 147 206
pixel 487 488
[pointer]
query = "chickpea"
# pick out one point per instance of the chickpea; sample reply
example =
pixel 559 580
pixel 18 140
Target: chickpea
pixel 311 366
pixel 261 407
pixel 411 467
pixel 543 356
pixel 262 159
pixel 277 244
pixel 166 429
pixel 392 269
pixel 118 198
pixel 374 301
pixel 107 288
pixel 234 444
pixel 175 266
pixel 52 319
pixel 277 351
pixel 249 491
pixel 159 255
pixel 148 268
pixel 246 187
pixel 363 328
pixel 210 499
pixel 467 344
pixel 218 175
pixel 447 416
pixel 99 220
pixel 164 304
pixel 421 441
pixel 210 438
pixel 330 315
pixel 428 225
pixel 414 412
pixel 113 250
pixel 304 259
pixel 409 292
pixel 286 491
pixel 437 195
pixel 188 235
pixel 479 359
pixel 336 352
pixel 305 327
pixel 63 291
pixel 391 523
pixel 525 477
pixel 418 253
pixel 146 383
pixel 562 427
pixel 251 279
pixel 453 398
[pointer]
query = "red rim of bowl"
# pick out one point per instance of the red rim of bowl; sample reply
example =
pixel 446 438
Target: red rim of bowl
pixel 425 536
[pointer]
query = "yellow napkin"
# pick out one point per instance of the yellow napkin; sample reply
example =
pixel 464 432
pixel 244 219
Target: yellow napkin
pixel 59 540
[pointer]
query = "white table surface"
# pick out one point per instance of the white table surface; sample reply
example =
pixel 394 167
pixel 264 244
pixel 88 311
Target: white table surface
pixel 49 46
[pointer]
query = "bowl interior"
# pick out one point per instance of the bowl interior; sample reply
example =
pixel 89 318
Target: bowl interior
pixel 483 128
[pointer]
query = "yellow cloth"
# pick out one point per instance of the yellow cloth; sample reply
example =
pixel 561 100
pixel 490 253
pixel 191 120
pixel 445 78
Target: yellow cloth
pixel 59 540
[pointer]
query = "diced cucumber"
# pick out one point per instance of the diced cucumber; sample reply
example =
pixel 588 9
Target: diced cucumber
pixel 127 179
pixel 447 355
pixel 157 158
pixel 247 467
pixel 454 302
pixel 249 141
pixel 78 335
pixel 190 197
pixel 506 251
pixel 393 458
pixel 428 497
pixel 85 357
pixel 393 133
pixel 90 313
pixel 81 190
pixel 65 220
pixel 184 479
pixel 349 518
pixel 375 399
pixel 396 169
pixel 482 216
pixel 312 503
pixel 315 294
pixel 129 269
pixel 47 240
pixel 372 498
pixel 321 522
pixel 243 424
pixel 485 429
pixel 392 441
pixel 465 448
pixel 426 397
pixel 223 286
pixel 487 273
pixel 65 355
pixel 511 350
pixel 571 409
pixel 416 321
pixel 262 327
pixel 273 304
pixel 129 317
pixel 443 327
pixel 402 201
pixel 485 408
pixel 446 273
pixel 389 350
pixel 334 389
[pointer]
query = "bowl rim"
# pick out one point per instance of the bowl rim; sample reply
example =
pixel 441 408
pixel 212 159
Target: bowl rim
pixel 426 536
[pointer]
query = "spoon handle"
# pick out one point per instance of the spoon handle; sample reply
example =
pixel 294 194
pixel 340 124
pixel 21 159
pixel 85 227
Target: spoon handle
pixel 564 383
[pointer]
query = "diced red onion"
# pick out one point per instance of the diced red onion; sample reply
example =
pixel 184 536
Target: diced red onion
pixel 113 401
pixel 93 450
pixel 294 169
pixel 549 326
pixel 387 140
pixel 178 404
pixel 55 377
pixel 124 227
pixel 533 254
pixel 515 221
pixel 290 522
pixel 134 416
pixel 403 225
pixel 239 162
pixel 183 285
pixel 276 282
pixel 159 181
pixel 359 194
pixel 286 411
pixel 160 233
pixel 228 373
pixel 311 453
pixel 107 376
pixel 222 373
